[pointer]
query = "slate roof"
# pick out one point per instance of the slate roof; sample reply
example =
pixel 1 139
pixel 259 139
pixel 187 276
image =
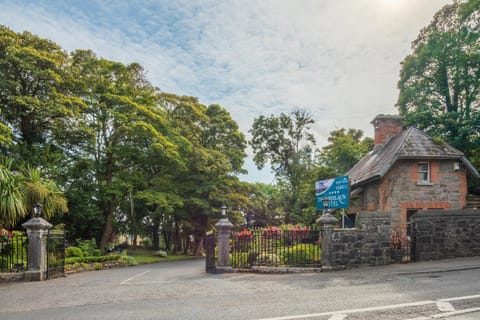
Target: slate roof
pixel 411 143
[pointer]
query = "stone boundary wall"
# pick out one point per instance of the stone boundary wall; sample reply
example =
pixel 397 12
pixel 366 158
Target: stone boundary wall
pixel 368 244
pixel 440 234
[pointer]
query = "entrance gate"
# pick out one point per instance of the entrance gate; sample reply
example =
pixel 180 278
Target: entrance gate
pixel 55 254
pixel 210 253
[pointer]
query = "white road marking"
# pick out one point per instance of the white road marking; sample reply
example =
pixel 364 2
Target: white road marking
pixel 445 306
pixel 454 313
pixel 442 304
pixel 135 276
pixel 331 313
pixel 238 277
pixel 477 296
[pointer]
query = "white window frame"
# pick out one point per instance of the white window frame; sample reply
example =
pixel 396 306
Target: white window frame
pixel 424 176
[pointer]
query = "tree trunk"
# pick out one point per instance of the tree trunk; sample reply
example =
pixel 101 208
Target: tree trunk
pixel 155 235
pixel 198 245
pixel 107 233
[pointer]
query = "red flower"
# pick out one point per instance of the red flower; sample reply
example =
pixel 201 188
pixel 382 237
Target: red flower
pixel 299 232
pixel 245 235
pixel 5 234
pixel 271 232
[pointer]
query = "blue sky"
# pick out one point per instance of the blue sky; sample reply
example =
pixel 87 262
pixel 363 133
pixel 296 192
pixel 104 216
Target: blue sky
pixel 338 59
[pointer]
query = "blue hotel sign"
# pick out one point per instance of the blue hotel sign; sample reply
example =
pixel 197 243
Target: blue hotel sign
pixel 336 190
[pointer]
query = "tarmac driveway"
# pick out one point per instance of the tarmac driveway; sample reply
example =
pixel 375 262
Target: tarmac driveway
pixel 182 290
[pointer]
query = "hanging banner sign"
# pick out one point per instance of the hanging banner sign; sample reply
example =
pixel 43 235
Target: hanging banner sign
pixel 336 190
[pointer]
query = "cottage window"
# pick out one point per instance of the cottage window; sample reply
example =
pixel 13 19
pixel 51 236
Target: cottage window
pixel 423 173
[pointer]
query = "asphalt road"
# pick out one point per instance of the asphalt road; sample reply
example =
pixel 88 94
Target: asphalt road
pixel 181 290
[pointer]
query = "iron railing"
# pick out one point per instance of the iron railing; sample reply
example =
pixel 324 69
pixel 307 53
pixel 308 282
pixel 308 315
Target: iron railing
pixel 13 253
pixel 55 254
pixel 401 243
pixel 295 247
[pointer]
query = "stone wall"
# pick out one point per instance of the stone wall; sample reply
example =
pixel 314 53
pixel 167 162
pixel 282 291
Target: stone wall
pixel 440 234
pixel 399 191
pixel 399 187
pixel 368 244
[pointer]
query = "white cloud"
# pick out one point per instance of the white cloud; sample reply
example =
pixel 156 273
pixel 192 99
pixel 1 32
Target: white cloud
pixel 337 59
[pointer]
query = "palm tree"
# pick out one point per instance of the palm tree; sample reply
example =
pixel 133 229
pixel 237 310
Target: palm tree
pixel 44 191
pixel 20 191
pixel 12 205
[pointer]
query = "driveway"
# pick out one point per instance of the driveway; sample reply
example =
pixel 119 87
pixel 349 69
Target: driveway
pixel 182 290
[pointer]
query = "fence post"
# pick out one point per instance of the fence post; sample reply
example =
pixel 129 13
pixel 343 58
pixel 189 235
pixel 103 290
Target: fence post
pixel 327 223
pixel 224 228
pixel 37 232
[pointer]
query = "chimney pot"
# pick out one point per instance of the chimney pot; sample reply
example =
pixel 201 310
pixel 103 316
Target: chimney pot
pixel 386 126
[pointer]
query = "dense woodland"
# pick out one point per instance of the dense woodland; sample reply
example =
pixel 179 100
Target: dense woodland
pixel 108 153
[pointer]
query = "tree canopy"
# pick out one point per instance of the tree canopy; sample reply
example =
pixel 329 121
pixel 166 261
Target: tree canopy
pixel 440 80
pixel 345 148
pixel 119 151
pixel 285 141
pixel 106 152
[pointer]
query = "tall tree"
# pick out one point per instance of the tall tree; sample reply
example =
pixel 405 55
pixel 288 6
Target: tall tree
pixel 120 123
pixel 215 151
pixel 33 97
pixel 345 148
pixel 286 143
pixel 440 81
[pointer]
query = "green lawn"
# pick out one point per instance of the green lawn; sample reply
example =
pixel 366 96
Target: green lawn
pixel 144 256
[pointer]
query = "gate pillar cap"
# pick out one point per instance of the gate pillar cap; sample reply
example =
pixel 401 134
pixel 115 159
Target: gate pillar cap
pixel 224 224
pixel 327 218
pixel 37 223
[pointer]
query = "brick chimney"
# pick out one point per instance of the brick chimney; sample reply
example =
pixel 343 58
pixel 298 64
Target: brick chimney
pixel 386 126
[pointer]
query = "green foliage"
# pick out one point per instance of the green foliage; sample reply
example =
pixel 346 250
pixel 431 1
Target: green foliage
pixel 240 259
pixel 302 254
pixel 73 252
pixel 440 80
pixel 71 260
pixel 127 156
pixel 268 259
pixel 128 260
pixel 286 143
pixel 87 246
pixel 161 253
pixel 12 205
pixel 33 97
pixel 345 149
pixel 97 266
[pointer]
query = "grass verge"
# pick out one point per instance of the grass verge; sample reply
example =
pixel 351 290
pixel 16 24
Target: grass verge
pixel 145 256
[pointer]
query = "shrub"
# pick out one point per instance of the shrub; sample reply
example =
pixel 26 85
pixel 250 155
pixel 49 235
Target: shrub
pixel 128 260
pixel 96 253
pixel 92 259
pixel 302 254
pixel 146 242
pixel 73 252
pixel 268 259
pixel 240 259
pixel 160 253
pixel 97 266
pixel 271 232
pixel 4 263
pixel 87 246
pixel 245 235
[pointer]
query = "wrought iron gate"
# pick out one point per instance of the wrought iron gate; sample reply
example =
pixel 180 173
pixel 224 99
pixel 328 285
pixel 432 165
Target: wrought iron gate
pixel 210 253
pixel 13 253
pixel 55 254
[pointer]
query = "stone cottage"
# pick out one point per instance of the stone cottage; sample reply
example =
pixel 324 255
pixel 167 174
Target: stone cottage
pixel 408 171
